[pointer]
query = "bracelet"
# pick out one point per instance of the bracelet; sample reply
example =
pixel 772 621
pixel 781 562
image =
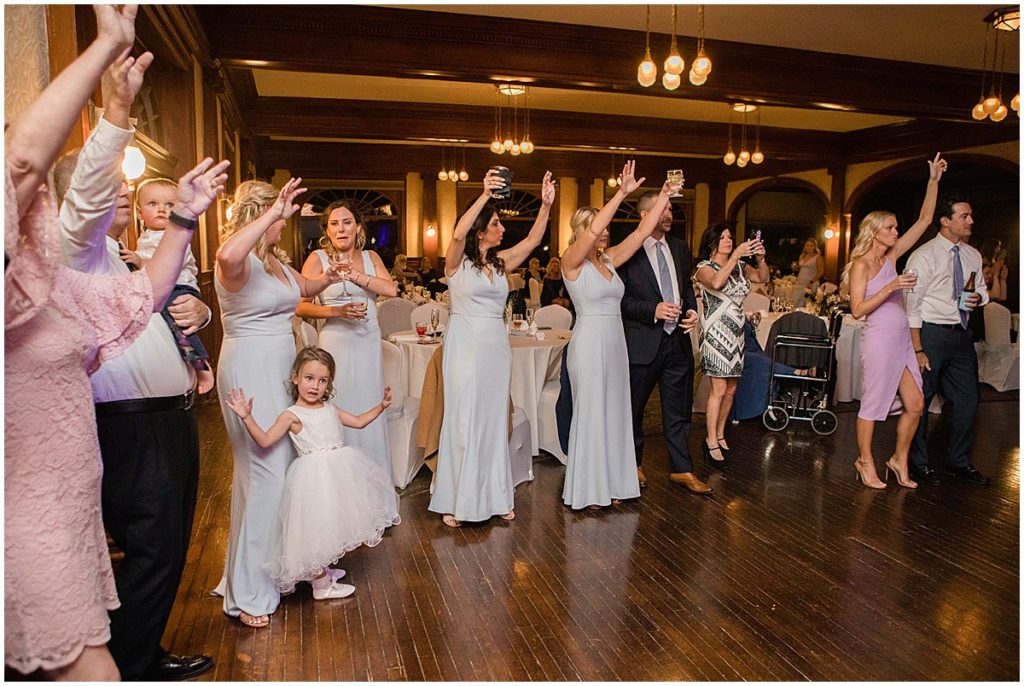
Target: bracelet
pixel 190 224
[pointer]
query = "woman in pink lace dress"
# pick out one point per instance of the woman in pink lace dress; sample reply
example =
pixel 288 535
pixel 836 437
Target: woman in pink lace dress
pixel 60 326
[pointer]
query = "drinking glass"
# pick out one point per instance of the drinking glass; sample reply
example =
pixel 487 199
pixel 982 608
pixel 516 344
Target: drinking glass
pixel 529 316
pixel 344 264
pixel 435 320
pixel 676 176
pixel 517 322
pixel 421 330
pixel 909 272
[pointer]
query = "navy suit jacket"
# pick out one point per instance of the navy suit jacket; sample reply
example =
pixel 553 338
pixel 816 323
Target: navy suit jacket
pixel 643 332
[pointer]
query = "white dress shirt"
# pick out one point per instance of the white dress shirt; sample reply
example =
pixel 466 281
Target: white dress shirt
pixel 152 366
pixel 651 248
pixel 933 299
pixel 146 246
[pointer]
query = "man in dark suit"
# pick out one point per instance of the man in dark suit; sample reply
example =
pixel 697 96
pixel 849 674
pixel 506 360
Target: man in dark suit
pixel 658 291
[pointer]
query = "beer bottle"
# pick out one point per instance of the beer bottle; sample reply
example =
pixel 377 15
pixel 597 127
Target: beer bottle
pixel 968 290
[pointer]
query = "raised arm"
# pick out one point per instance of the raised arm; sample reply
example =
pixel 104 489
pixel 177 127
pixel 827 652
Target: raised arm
pixel 233 254
pixel 359 421
pixel 518 253
pixel 457 246
pixel 709 278
pixel 196 190
pixel 633 242
pixel 34 139
pixel 905 242
pixel 243 408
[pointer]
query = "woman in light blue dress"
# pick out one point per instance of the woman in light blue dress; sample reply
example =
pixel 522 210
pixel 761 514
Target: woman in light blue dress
pixel 351 333
pixel 258 292
pixel 474 473
pixel 601 466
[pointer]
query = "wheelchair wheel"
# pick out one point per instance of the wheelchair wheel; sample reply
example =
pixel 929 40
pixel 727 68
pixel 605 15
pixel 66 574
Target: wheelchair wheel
pixel 775 418
pixel 824 422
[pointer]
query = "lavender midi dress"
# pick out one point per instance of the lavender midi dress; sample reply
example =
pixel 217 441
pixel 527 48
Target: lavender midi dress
pixel 886 350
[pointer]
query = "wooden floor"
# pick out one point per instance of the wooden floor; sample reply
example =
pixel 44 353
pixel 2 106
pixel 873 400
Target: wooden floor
pixel 790 571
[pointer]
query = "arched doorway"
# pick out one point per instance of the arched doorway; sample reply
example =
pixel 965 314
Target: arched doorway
pixel 787 212
pixel 518 212
pixel 380 215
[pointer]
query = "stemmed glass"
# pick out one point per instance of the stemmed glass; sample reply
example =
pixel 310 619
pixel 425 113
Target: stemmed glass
pixel 435 320
pixel 909 272
pixel 517 322
pixel 675 176
pixel 344 265
pixel 529 316
pixel 421 331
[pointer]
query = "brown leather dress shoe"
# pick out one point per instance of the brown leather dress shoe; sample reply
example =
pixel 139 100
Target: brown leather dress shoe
pixel 692 483
pixel 641 478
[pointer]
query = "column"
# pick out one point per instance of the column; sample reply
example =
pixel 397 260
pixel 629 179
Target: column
pixel 447 213
pixel 413 214
pixel 568 201
pixel 701 213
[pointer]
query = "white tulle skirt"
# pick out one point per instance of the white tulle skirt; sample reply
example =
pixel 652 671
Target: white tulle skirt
pixel 334 501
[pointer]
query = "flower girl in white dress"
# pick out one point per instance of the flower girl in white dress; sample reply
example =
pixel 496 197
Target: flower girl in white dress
pixel 336 498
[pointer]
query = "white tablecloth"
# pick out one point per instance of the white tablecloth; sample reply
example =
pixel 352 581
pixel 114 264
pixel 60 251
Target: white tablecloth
pixel 533 363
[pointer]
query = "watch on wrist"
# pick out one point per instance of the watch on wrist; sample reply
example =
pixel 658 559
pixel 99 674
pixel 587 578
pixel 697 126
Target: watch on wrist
pixel 190 224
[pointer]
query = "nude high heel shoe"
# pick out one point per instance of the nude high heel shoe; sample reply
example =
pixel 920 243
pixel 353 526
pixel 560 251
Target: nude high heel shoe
pixel 905 483
pixel 877 485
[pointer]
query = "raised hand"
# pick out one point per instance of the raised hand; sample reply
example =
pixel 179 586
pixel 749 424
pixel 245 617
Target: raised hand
pixel 547 190
pixel 937 167
pixel 285 205
pixel 493 181
pixel 239 405
pixel 116 25
pixel 386 400
pixel 629 181
pixel 747 248
pixel 123 79
pixel 199 187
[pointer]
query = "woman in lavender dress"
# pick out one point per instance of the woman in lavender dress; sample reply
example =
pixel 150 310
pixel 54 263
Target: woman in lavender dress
pixel 887 354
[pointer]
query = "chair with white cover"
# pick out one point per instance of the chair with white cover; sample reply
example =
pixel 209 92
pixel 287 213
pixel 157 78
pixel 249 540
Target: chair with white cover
pixel 402 417
pixel 305 333
pixel 534 293
pixel 519 448
pixel 828 288
pixel 422 314
pixel 998 358
pixel 393 315
pixel 555 316
pixel 755 301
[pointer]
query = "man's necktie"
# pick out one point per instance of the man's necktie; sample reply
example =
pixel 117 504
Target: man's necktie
pixel 958 285
pixel 666 283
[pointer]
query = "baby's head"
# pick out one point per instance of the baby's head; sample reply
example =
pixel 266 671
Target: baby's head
pixel 154 198
pixel 312 376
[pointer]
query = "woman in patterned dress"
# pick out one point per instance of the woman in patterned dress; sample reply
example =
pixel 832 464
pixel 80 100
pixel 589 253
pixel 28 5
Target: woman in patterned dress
pixel 724 282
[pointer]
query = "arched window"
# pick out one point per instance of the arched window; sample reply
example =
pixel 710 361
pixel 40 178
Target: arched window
pixel 380 218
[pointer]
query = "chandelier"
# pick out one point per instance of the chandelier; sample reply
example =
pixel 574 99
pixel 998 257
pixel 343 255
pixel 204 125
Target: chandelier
pixel 449 173
pixel 516 97
pixel 990 103
pixel 745 156
pixel 647 70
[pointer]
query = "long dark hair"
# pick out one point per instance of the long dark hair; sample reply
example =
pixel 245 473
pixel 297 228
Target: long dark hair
pixel 709 240
pixel 472 252
pixel 325 218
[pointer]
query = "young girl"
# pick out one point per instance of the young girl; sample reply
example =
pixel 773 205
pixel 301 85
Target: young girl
pixel 336 498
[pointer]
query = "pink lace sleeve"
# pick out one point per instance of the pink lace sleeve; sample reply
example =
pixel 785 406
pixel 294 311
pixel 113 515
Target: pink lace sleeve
pixel 31 246
pixel 114 309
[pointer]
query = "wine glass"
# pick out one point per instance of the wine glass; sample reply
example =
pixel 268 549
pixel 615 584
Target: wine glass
pixel 909 271
pixel 435 320
pixel 517 322
pixel 343 263
pixel 421 330
pixel 529 316
pixel 675 176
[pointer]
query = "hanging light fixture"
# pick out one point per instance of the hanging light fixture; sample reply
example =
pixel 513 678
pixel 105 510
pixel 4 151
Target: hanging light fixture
pixel 701 66
pixel 674 63
pixel 1001 110
pixel 443 174
pixel 463 174
pixel 990 103
pixel 613 181
pixel 510 141
pixel 744 156
pixel 527 145
pixel 758 156
pixel 496 147
pixel 647 71
pixel 453 175
pixel 730 156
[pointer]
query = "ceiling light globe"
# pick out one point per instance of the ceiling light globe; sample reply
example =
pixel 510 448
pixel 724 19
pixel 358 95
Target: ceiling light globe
pixel 516 149
pixel 463 175
pixel 612 182
pixel 991 104
pixel 702 65
pixel 979 112
pixel 647 73
pixel 1000 113
pixel 442 175
pixel 740 162
pixel 527 147
pixel 729 157
pixel 670 81
pixel 674 64
pixel 496 147
pixel 453 175
pixel 744 156
pixel 507 144
pixel 757 157
pixel 698 79
pixel 1015 103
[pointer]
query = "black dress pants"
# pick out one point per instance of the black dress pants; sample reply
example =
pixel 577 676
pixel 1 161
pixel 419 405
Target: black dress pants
pixel 672 371
pixel 150 479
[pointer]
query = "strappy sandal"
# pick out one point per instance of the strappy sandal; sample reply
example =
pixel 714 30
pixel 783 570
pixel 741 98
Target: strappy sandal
pixel 450 520
pixel 510 516
pixel 253 621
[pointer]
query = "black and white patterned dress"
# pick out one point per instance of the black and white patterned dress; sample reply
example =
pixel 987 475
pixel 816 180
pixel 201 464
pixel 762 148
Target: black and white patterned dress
pixel 721 324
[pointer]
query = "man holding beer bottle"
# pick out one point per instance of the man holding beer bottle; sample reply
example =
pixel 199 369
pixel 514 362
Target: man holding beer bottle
pixel 949 287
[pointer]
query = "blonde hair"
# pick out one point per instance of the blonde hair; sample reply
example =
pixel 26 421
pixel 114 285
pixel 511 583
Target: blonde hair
pixel 158 181
pixel 869 226
pixel 251 201
pixel 581 220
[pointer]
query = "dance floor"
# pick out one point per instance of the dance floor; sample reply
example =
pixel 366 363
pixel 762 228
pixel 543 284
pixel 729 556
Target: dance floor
pixel 790 571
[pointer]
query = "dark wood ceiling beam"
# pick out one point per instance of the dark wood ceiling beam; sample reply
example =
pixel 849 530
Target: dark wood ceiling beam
pixel 922 137
pixel 421 44
pixel 415 122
